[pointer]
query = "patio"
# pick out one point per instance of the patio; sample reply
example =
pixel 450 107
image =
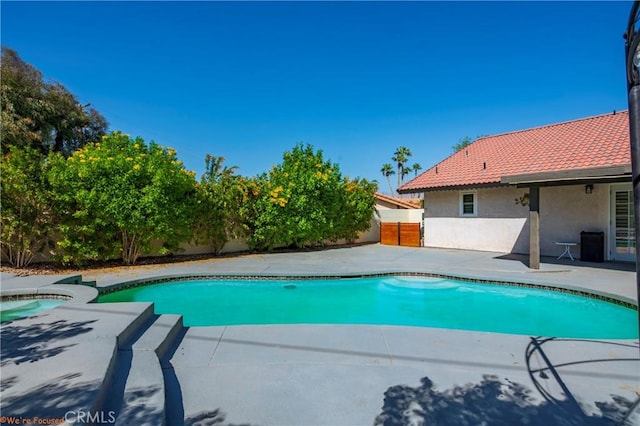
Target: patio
pixel 318 374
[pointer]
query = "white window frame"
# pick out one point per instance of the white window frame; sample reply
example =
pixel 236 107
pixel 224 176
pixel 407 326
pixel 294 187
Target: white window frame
pixel 475 203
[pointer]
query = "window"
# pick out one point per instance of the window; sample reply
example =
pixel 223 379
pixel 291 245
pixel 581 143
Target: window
pixel 468 203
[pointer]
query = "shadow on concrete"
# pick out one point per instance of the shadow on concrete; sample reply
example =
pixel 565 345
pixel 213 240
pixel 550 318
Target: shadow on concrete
pixel 613 266
pixel 174 405
pixel 173 395
pixel 64 398
pixel 7 383
pixel 140 409
pixel 51 400
pixel 493 401
pixel 499 401
pixel 210 418
pixel 31 342
pixel 550 384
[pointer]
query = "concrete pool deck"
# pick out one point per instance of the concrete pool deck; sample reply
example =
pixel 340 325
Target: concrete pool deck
pixel 318 374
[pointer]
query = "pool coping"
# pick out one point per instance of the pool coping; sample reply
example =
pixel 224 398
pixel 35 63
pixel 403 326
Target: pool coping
pixel 567 289
pixel 70 288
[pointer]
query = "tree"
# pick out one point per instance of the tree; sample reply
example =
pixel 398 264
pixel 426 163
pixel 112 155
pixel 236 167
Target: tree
pixel 465 142
pixel 299 202
pixel 405 172
pixel 220 196
pixel 358 207
pixel 400 157
pixel 42 115
pixel 387 171
pixel 305 201
pixel 73 125
pixel 416 168
pixel 23 109
pixel 115 197
pixel 462 143
pixel 25 217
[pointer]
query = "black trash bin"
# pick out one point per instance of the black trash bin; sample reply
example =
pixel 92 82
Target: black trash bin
pixel 592 246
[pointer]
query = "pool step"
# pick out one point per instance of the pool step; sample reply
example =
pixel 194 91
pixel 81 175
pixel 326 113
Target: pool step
pixel 90 335
pixel 143 394
pixel 138 389
pixel 161 335
pixel 141 315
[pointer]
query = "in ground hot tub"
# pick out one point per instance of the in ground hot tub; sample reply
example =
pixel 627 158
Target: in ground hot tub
pixel 12 308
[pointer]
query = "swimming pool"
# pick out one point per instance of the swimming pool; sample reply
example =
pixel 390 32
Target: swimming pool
pixel 392 300
pixel 14 309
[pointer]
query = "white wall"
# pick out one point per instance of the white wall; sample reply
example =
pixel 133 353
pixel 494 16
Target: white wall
pixel 373 234
pixel 486 234
pixel 502 224
pixel 401 215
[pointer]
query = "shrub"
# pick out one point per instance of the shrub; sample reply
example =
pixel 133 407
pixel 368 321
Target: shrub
pixel 304 201
pixel 220 195
pixel 25 217
pixel 116 196
pixel 358 207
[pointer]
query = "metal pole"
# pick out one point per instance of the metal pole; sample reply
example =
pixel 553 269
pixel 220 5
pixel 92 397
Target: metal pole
pixel 534 227
pixel 633 85
pixel 634 131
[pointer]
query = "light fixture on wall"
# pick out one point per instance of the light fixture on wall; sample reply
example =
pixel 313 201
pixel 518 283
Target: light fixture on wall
pixel 588 189
pixel 523 200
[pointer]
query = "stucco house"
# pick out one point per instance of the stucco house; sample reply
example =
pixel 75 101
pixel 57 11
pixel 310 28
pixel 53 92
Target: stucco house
pixel 525 191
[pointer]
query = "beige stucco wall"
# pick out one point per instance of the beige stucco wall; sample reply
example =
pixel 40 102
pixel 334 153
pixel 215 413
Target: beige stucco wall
pixel 401 215
pixel 232 246
pixel 240 245
pixel 502 225
pixel 492 203
pixel 565 211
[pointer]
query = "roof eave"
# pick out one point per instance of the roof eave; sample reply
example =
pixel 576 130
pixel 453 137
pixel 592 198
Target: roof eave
pixel 569 176
pixel 452 187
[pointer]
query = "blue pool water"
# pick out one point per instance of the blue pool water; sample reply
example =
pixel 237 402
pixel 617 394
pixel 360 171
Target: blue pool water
pixel 23 308
pixel 411 301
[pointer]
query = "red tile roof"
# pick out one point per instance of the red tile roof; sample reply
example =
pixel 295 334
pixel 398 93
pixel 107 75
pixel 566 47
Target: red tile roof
pixel 401 203
pixel 586 143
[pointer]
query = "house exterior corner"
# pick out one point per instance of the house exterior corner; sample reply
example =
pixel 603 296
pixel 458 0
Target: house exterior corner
pixel 529 190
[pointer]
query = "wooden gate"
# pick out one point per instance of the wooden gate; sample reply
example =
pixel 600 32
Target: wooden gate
pixel 400 234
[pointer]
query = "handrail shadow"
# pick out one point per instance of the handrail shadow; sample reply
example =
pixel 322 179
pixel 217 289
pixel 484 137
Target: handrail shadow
pixel 500 401
pixel 565 397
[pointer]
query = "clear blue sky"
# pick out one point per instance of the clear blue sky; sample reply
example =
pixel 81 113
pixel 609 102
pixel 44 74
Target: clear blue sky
pixel 249 80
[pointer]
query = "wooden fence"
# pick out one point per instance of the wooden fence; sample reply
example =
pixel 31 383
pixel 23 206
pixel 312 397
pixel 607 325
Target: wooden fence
pixel 400 234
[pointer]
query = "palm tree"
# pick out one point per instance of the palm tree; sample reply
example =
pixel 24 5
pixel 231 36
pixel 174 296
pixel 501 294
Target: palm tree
pixel 387 170
pixel 462 144
pixel 415 168
pixel 405 172
pixel 401 156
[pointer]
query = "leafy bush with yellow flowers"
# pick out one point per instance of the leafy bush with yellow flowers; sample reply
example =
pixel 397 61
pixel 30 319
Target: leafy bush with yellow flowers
pixel 358 205
pixel 115 197
pixel 304 201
